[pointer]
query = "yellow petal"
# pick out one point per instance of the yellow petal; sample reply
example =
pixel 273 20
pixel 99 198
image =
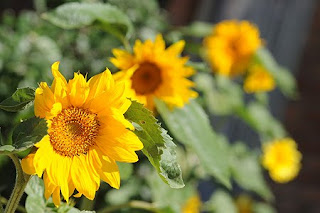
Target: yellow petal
pixel 42 158
pixel 58 173
pixel 56 197
pixel 43 100
pixel 107 168
pixel 78 90
pixel 81 178
pixel 27 164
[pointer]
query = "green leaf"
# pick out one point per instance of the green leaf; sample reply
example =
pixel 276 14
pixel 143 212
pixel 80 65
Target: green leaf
pixel 171 200
pixel 222 202
pixel 260 119
pixel 125 169
pixel 158 145
pixel 35 201
pixel 28 132
pixel 198 29
pixel 221 95
pixel 78 15
pixel 244 164
pixel 19 100
pixel 190 125
pixel 263 208
pixel 284 79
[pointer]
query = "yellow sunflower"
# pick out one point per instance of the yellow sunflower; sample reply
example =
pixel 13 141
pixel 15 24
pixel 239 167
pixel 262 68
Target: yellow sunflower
pixel 282 159
pixel 153 71
pixel 193 205
pixel 258 80
pixel 231 45
pixel 87 134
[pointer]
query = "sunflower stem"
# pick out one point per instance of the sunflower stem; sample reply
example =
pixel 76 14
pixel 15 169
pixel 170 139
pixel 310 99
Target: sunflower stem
pixel 135 204
pixel 126 44
pixel 21 182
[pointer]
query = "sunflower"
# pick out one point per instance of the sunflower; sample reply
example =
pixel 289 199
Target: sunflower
pixel 258 80
pixel 231 45
pixel 282 159
pixel 192 205
pixel 87 134
pixel 153 71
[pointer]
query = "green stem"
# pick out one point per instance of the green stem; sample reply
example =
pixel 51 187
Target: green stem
pixel 4 201
pixel 126 44
pixel 21 182
pixel 135 204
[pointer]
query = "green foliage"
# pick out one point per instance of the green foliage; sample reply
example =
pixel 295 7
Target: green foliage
pixel 25 135
pixel 190 125
pixel 221 202
pixel 197 29
pixel 260 207
pixel 78 15
pixel 260 119
pixel 221 95
pixel 283 77
pixel 19 100
pixel 245 164
pixel 166 199
pixel 158 145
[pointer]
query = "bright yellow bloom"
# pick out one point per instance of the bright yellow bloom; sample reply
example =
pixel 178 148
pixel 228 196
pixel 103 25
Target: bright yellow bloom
pixel 87 134
pixel 282 159
pixel 231 45
pixel 192 205
pixel 258 80
pixel 153 71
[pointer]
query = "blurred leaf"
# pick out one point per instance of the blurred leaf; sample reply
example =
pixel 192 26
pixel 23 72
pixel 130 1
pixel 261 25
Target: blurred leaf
pixel 244 164
pixel 284 79
pixel 221 202
pixel 263 208
pixel 124 194
pixel 126 170
pixel 19 100
pixel 28 132
pixel 158 145
pixel 221 95
pixel 190 125
pixel 167 199
pixel 77 15
pixel 198 29
pixel 35 201
pixel 259 118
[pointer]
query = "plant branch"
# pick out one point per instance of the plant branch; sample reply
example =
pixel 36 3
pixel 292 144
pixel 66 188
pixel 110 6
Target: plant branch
pixel 21 182
pixel 4 201
pixel 135 204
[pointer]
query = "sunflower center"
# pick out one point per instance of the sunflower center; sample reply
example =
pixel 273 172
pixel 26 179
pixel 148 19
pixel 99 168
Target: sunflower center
pixel 146 79
pixel 73 131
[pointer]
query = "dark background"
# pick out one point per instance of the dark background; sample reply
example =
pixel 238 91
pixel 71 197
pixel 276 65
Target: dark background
pixel 291 29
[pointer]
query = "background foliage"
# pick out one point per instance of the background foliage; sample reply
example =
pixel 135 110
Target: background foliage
pixel 82 36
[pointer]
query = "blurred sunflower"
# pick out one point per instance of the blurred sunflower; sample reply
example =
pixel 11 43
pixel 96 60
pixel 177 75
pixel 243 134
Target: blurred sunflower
pixel 231 45
pixel 153 71
pixel 258 80
pixel 87 134
pixel 193 205
pixel 282 159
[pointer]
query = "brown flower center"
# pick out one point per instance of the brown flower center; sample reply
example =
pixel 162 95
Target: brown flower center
pixel 73 131
pixel 146 79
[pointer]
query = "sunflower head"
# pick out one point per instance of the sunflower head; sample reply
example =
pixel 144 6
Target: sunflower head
pixel 231 45
pixel 154 71
pixel 87 134
pixel 258 80
pixel 282 159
